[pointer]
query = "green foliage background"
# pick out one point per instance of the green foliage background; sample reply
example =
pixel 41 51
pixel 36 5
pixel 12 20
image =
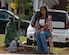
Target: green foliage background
pixel 67 6
pixel 23 4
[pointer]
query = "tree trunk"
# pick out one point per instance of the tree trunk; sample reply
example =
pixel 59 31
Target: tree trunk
pixel 19 22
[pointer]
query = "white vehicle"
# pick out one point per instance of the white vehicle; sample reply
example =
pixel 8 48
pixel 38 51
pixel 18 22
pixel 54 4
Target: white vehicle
pixel 60 26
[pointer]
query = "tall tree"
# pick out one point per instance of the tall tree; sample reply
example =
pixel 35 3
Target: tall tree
pixel 67 6
pixel 22 4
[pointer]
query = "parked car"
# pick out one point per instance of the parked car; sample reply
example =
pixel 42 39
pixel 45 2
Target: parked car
pixel 60 24
pixel 4 18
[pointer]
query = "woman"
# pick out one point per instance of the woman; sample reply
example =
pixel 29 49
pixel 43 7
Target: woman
pixel 42 31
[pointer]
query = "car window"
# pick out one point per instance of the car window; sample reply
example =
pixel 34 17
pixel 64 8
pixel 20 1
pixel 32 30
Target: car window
pixel 3 15
pixel 10 15
pixel 57 16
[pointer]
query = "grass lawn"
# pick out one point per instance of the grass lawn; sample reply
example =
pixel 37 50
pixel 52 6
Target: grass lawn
pixel 2 38
pixel 54 50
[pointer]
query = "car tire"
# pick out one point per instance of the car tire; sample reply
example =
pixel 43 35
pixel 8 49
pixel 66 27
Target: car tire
pixel 67 44
pixel 58 44
pixel 29 42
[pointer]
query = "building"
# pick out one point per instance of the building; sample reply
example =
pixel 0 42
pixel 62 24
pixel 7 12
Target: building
pixel 48 3
pixel 35 5
pixel 5 3
pixel 62 5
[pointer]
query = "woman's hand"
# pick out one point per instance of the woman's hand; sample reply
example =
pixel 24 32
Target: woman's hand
pixel 38 31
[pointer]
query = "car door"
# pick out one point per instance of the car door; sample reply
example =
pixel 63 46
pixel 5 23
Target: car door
pixel 3 20
pixel 59 25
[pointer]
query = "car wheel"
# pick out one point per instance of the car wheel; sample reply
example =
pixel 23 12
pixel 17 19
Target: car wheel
pixel 59 45
pixel 29 42
pixel 23 32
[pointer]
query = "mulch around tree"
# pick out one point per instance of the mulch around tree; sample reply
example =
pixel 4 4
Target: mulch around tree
pixel 25 49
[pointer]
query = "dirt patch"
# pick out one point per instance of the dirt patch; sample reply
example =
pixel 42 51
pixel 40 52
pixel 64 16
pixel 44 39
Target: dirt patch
pixel 26 49
pixel 22 50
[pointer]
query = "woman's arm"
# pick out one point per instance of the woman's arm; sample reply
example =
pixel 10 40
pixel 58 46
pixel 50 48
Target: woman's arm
pixel 48 23
pixel 45 27
pixel 36 25
pixel 37 28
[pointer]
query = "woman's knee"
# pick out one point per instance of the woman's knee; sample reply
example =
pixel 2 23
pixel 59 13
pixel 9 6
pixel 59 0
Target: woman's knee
pixel 42 33
pixel 49 34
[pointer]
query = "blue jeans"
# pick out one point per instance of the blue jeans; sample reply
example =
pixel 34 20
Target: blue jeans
pixel 41 41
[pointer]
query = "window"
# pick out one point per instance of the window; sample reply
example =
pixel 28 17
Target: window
pixel 9 15
pixel 57 16
pixel 6 5
pixel 0 3
pixel 3 15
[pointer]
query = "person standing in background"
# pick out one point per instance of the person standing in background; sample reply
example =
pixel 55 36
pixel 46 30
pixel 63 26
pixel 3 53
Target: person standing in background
pixel 10 32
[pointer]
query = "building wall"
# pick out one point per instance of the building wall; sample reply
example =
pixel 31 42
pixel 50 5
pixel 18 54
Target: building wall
pixel 5 3
pixel 36 4
pixel 62 5
pixel 48 3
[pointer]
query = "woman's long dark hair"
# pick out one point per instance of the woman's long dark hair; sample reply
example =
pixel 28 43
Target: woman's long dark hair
pixel 46 11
